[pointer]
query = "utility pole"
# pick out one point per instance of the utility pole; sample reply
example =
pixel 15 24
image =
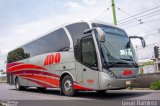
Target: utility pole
pixel 114 13
pixel 156 54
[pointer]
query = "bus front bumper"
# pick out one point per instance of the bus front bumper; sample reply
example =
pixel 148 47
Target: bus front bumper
pixel 108 83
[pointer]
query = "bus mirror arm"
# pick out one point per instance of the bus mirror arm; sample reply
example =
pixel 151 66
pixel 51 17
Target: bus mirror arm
pixel 88 30
pixel 100 32
pixel 141 38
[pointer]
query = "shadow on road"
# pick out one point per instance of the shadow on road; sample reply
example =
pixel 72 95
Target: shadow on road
pixel 109 95
pixel 47 91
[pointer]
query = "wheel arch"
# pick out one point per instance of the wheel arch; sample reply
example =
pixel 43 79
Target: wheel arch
pixel 15 79
pixel 63 74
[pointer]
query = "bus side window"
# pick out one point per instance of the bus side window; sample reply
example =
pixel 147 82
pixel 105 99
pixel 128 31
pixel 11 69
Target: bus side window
pixel 88 52
pixel 76 30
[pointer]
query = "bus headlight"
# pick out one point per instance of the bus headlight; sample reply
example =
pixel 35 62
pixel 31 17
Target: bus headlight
pixel 112 75
pixel 109 72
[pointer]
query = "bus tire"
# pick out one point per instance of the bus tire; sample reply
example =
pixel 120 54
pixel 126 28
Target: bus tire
pixel 101 91
pixel 18 86
pixel 67 86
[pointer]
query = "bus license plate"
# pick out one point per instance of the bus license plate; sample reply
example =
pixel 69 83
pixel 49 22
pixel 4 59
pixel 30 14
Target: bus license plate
pixel 128 82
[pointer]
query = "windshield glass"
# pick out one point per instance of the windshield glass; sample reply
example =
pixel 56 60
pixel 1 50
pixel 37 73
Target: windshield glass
pixel 117 47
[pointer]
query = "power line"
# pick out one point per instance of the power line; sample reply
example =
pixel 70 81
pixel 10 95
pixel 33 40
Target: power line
pixel 140 17
pixel 139 13
pixel 129 14
pixel 140 20
pixel 102 12
pixel 136 18
pixel 144 22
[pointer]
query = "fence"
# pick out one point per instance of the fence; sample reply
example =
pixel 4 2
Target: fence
pixel 145 80
pixel 3 79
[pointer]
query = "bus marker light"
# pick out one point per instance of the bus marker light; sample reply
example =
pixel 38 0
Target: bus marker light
pixel 90 81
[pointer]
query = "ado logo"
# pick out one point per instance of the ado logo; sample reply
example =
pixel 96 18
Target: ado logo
pixel 51 59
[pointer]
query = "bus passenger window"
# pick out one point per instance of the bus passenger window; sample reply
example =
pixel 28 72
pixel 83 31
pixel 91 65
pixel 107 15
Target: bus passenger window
pixel 88 52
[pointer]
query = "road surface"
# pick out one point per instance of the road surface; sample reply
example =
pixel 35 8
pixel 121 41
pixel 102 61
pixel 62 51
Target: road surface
pixel 52 97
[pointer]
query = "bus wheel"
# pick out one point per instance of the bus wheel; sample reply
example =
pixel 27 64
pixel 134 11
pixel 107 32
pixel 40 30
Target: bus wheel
pixel 101 91
pixel 18 86
pixel 41 88
pixel 67 86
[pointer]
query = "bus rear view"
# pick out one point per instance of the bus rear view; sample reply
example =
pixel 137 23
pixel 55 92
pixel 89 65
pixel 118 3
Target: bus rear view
pixel 78 56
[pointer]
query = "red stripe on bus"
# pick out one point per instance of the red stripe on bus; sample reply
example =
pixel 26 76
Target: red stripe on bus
pixel 52 81
pixel 78 87
pixel 24 66
pixel 13 64
pixel 39 83
pixel 35 72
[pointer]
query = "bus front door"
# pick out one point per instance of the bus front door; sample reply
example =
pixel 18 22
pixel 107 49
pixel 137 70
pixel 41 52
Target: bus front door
pixel 89 63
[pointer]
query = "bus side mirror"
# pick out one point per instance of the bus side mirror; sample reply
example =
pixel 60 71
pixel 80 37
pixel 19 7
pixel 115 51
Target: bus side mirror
pixel 99 31
pixel 143 43
pixel 141 38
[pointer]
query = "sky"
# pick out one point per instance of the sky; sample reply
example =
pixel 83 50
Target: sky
pixel 24 20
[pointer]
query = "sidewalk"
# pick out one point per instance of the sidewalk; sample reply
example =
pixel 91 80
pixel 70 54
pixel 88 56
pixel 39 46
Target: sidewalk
pixel 141 90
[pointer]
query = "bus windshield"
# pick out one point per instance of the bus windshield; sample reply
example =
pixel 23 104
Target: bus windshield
pixel 117 48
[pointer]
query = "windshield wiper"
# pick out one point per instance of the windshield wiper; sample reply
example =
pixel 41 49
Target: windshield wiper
pixel 118 62
pixel 131 60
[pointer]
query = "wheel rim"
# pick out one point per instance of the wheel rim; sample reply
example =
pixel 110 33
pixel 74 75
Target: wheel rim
pixel 68 85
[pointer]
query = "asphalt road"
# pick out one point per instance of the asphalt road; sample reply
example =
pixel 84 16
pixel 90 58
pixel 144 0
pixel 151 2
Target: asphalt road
pixel 51 97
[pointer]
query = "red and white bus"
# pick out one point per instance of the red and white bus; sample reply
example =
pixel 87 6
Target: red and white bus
pixel 85 55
